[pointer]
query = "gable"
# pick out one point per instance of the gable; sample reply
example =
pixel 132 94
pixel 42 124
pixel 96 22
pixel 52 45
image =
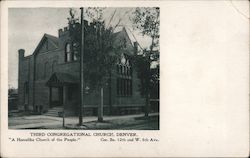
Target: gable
pixel 122 39
pixel 47 43
pixel 44 46
pixel 58 78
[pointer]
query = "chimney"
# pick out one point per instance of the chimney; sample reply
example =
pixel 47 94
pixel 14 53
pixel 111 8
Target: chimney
pixel 21 53
pixel 135 47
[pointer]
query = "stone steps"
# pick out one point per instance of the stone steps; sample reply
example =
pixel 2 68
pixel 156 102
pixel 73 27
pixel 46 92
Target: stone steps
pixel 58 112
pixel 54 112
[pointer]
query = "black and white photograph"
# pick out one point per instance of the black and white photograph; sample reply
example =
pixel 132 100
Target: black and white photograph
pixel 84 68
pixel 124 78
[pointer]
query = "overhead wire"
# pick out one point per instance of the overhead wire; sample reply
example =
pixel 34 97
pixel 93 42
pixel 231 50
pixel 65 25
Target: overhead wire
pixel 126 26
pixel 111 18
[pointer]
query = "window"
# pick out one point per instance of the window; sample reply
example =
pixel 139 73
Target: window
pixel 117 69
pixel 76 47
pixel 71 52
pixel 55 94
pixel 67 47
pixel 123 69
pixel 124 87
pixel 68 52
pixel 124 77
pixel 75 55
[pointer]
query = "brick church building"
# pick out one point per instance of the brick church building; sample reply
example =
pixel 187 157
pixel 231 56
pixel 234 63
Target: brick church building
pixel 49 79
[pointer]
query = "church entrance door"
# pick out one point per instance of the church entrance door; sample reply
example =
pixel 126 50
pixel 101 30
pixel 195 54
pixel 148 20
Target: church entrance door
pixel 56 96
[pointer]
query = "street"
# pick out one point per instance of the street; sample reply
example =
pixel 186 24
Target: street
pixel 125 122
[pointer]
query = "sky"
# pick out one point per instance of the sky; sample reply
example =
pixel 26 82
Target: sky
pixel 28 25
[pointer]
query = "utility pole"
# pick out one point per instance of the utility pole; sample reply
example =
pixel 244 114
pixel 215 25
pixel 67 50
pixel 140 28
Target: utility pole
pixel 81 68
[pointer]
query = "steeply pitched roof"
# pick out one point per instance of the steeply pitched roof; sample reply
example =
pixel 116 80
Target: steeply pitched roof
pixel 53 39
pixel 116 33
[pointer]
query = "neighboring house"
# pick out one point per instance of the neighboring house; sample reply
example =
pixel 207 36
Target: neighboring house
pixel 49 78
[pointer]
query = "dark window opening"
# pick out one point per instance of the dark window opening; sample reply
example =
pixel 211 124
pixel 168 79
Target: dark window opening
pixel 68 52
pixel 124 87
pixel 76 48
pixel 75 55
pixel 124 77
pixel 71 52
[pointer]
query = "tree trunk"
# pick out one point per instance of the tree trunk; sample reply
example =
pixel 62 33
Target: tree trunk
pixel 100 109
pixel 147 108
pixel 110 94
pixel 147 92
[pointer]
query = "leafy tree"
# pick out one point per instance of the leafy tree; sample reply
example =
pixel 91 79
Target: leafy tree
pixel 99 51
pixel 147 21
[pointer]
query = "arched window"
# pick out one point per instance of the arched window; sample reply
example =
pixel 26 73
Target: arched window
pixel 75 51
pixel 68 52
pixel 124 77
pixel 118 69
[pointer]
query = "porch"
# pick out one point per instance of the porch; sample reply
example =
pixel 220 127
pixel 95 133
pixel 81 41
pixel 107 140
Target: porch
pixel 63 93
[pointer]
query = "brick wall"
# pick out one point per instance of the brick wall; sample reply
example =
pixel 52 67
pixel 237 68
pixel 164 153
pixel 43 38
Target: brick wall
pixel 32 68
pixel 25 73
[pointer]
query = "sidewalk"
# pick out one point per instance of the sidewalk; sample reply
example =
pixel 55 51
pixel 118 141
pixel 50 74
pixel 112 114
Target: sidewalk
pixel 50 122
